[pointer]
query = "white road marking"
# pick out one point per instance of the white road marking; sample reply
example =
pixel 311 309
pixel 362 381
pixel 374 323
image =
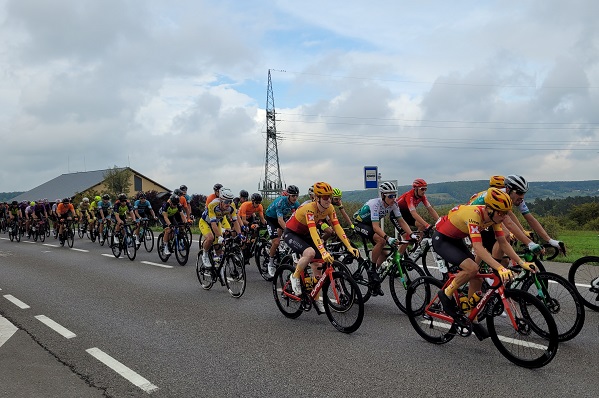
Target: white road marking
pixel 157 264
pixel 55 326
pixel 110 255
pixel 49 244
pixel 5 238
pixel 16 301
pixel 80 250
pixel 7 329
pixel 121 369
pixel 27 241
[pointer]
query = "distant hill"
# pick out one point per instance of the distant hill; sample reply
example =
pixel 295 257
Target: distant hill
pixel 455 192
pixel 6 196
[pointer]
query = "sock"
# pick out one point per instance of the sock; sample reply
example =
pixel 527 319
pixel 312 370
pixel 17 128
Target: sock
pixel 449 290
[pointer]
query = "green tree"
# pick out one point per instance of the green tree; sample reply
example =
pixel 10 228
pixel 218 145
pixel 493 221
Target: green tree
pixel 118 180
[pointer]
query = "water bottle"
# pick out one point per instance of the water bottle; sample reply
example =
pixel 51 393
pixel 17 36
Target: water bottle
pixel 294 257
pixel 440 264
pixel 308 282
pixel 473 301
pixel 384 265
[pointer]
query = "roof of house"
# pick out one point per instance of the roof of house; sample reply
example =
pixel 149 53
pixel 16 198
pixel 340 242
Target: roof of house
pixel 68 185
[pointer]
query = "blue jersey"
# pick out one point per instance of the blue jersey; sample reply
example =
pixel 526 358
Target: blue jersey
pixel 281 207
pixel 142 208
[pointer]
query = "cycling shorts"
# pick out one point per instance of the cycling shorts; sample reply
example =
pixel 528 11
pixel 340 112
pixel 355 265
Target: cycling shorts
pixel 206 229
pixel 453 250
pixel 299 243
pixel 272 225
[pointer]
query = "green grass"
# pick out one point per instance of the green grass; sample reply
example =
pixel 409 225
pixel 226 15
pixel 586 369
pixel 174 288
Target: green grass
pixel 579 244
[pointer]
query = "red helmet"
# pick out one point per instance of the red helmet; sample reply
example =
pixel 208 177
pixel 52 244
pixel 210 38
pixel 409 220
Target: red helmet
pixel 419 182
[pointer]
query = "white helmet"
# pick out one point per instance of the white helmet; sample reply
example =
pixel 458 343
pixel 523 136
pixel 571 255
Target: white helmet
pixel 226 194
pixel 86 200
pixel 516 182
pixel 387 187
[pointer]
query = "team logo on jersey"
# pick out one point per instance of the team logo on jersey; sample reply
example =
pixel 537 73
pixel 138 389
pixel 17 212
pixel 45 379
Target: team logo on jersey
pixel 310 217
pixel 474 229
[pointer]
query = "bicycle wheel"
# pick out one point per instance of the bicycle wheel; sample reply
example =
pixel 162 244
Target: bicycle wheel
pixel 204 274
pixel 42 233
pixel 80 230
pixel 562 301
pixel 343 302
pixel 187 231
pixel 584 275
pixel 550 252
pixel 398 285
pixel 129 246
pixel 148 237
pixel 70 232
pixel 533 341
pixel 160 248
pixel 11 233
pixel 262 258
pixel 235 275
pixel 358 270
pixel 116 247
pixel 286 301
pixel 181 247
pixel 422 304
pixel 429 264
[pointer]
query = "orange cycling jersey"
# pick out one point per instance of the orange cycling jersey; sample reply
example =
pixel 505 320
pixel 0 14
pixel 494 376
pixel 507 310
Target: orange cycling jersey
pixel 210 198
pixel 63 209
pixel 303 222
pixel 183 202
pixel 247 209
pixel 463 221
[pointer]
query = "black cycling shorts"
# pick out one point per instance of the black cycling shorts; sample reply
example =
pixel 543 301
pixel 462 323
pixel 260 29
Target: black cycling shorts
pixel 453 250
pixel 299 243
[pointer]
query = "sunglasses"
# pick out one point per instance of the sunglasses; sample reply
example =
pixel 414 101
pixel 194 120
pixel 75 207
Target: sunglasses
pixel 391 196
pixel 227 202
pixel 423 189
pixel 520 192
pixel 293 196
pixel 326 197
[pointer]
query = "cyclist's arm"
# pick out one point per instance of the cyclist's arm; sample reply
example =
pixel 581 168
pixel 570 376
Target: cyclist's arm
pixel 536 226
pixel 433 213
pixel 405 227
pixel 516 230
pixel 483 254
pixel 515 220
pixel 508 249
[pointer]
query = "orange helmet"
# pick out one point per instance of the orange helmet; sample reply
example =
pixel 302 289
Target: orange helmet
pixel 497 182
pixel 498 200
pixel 322 188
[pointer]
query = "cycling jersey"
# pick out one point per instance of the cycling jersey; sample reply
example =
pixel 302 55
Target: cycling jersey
pixel 374 210
pixel 408 201
pixel 247 209
pixel 93 206
pixel 479 200
pixel 64 208
pixel 214 213
pixel 14 210
pixel 83 206
pixel 210 198
pixel 464 220
pixel 281 207
pixel 105 206
pixel 143 208
pixel 122 208
pixel 170 211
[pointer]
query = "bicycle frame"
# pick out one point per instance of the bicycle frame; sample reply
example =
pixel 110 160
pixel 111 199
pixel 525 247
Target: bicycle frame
pixel 326 275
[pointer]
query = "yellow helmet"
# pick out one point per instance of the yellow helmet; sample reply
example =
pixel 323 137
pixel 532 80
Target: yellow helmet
pixel 497 182
pixel 498 200
pixel 322 188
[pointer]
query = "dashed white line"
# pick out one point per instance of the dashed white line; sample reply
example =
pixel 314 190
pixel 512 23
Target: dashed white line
pixel 16 301
pixel 157 264
pixel 49 244
pixel 28 241
pixel 7 329
pixel 123 370
pixel 55 326
pixel 80 250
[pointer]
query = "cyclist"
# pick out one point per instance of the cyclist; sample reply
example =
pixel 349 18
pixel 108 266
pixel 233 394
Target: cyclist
pixel 28 216
pixel 468 221
pixel 275 216
pixel 104 212
pixel 183 189
pixel 310 194
pixel 93 212
pixel 215 220
pixel 367 223
pixel 242 198
pixel 64 211
pixel 302 236
pixel 83 211
pixel 408 202
pixel 250 210
pixel 516 187
pixel 171 212
pixel 54 218
pixel 214 195
pixel 142 209
pixel 121 210
pixel 14 213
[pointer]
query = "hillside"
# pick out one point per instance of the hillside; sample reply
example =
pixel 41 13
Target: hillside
pixel 460 191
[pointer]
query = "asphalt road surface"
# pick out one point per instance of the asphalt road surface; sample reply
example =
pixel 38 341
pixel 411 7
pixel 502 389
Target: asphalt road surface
pixel 81 323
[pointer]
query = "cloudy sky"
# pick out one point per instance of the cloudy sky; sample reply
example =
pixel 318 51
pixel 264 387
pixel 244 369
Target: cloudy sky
pixel 177 90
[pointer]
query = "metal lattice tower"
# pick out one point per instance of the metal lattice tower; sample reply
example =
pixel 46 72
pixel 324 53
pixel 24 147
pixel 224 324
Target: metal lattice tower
pixel 272 184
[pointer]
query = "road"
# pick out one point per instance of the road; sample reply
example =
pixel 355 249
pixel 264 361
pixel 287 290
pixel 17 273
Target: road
pixel 134 329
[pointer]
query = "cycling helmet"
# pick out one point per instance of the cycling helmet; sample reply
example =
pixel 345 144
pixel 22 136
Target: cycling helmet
pixel 257 198
pixel 226 194
pixel 106 196
pixel 15 203
pixel 387 187
pixel 178 192
pixel 57 201
pixel 244 194
pixel 337 193
pixel 122 197
pixel 32 203
pixel 497 182
pixel 516 182
pixel 97 198
pixel 498 200
pixel 85 200
pixel 419 182
pixel 183 187
pixel 174 200
pixel 322 188
pixel 217 187
pixel 311 190
pixel 141 195
pixel 292 190
pixel 65 200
